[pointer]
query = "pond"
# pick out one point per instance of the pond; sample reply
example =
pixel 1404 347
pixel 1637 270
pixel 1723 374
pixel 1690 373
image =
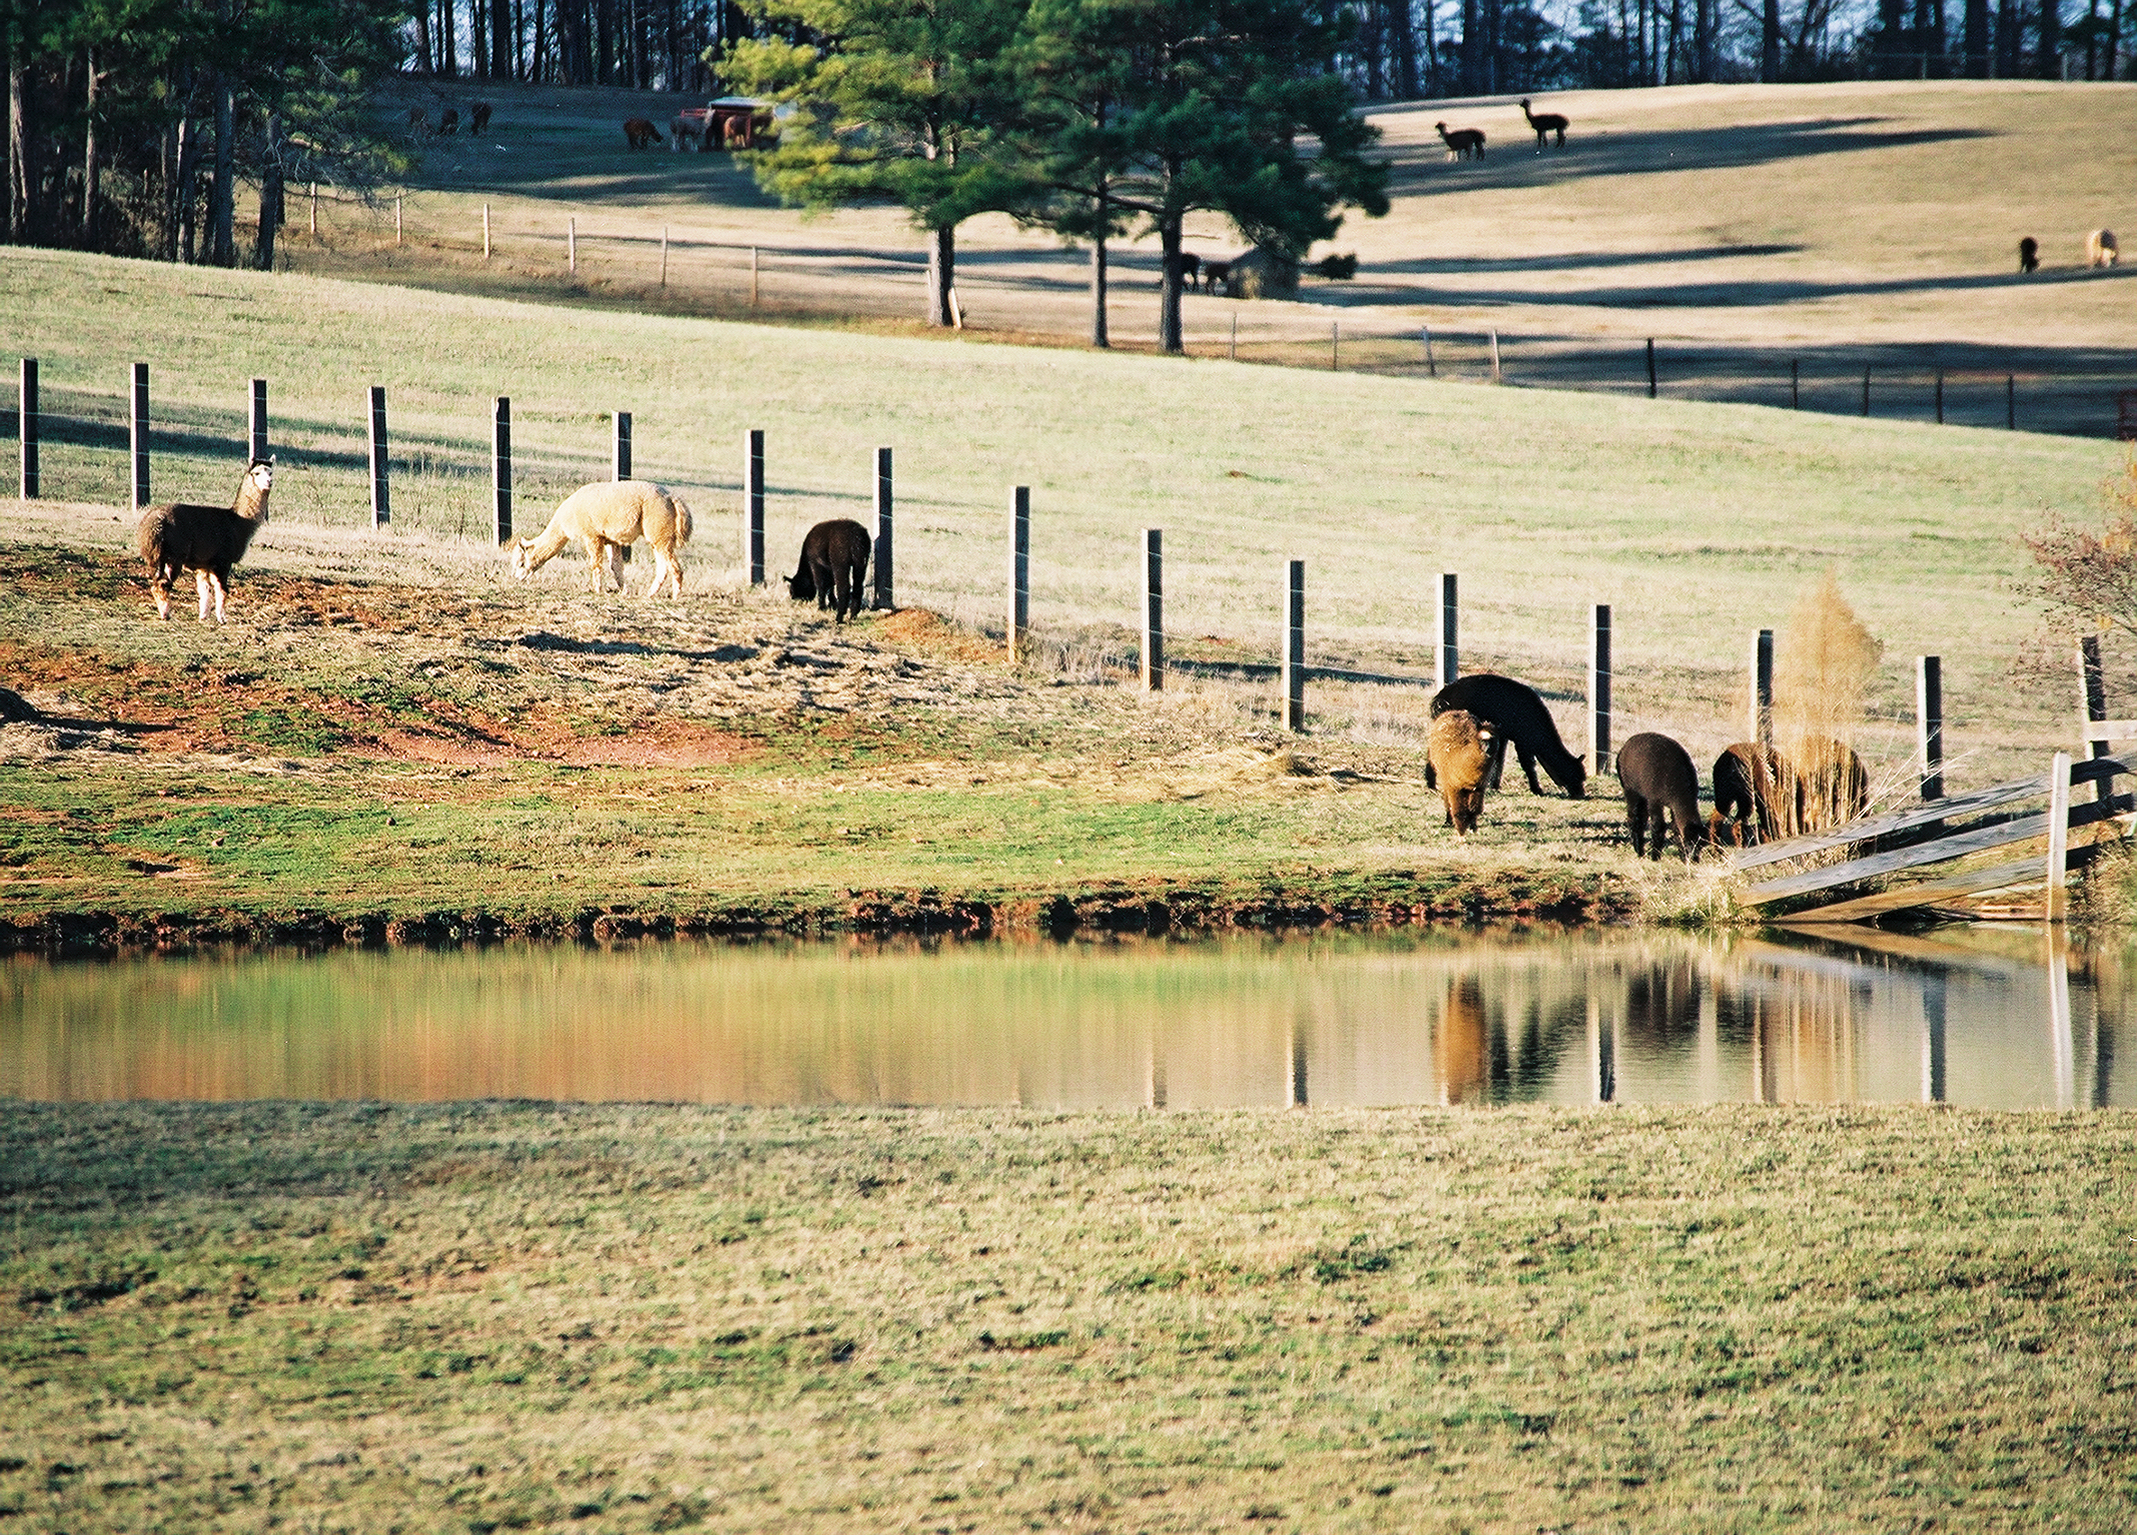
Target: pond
pixel 2004 1018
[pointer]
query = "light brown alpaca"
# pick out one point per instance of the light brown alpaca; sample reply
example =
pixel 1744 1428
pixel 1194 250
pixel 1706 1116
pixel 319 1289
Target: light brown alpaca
pixel 612 515
pixel 1461 141
pixel 1455 764
pixel 2101 249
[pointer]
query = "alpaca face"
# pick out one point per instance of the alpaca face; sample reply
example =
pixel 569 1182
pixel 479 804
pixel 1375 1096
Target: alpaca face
pixel 522 567
pixel 261 476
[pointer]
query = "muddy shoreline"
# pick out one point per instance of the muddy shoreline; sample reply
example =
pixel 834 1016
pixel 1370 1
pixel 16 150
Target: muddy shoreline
pixel 1155 911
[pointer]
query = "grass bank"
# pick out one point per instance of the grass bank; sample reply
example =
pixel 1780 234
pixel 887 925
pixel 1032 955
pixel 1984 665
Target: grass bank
pixel 492 1317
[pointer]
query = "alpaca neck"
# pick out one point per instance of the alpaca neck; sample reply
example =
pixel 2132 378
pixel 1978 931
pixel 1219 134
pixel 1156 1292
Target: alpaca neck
pixel 546 548
pixel 251 502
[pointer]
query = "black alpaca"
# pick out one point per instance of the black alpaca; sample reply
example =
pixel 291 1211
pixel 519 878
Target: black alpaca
pixel 2029 255
pixel 1515 712
pixel 1658 776
pixel 1745 776
pixel 834 559
pixel 1545 124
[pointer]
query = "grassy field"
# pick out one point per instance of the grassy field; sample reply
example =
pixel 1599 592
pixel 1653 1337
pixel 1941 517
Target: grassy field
pixel 1746 226
pixel 412 651
pixel 482 1318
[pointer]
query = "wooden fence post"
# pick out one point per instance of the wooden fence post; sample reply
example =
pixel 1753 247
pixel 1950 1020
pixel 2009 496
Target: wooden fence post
pixel 1761 721
pixel 1447 662
pixel 1335 346
pixel 259 419
pixel 27 417
pixel 1232 352
pixel 2059 837
pixel 619 458
pixel 1294 669
pixel 753 277
pixel 1019 572
pixel 315 210
pixel 753 504
pixel 501 468
pixel 1599 689
pixel 664 255
pixel 1795 383
pixel 2010 401
pixel 140 436
pixel 571 245
pixel 1866 389
pixel 396 218
pixel 884 602
pixel 1929 723
pixel 486 231
pixel 1153 610
pixel 2092 701
pixel 1650 367
pixel 1940 396
pixel 1495 375
pixel 381 493
pixel 1432 369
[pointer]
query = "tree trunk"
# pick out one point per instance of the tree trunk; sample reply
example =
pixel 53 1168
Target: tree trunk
pixel 21 141
pixel 1104 210
pixel 1170 339
pixel 90 169
pixel 2114 37
pixel 270 195
pixel 423 50
pixel 1975 40
pixel 942 275
pixel 1404 28
pixel 222 206
pixel 185 188
pixel 504 39
pixel 1770 42
pixel 2050 61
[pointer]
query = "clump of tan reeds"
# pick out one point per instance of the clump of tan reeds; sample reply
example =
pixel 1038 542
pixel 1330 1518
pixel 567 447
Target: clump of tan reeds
pixel 1822 675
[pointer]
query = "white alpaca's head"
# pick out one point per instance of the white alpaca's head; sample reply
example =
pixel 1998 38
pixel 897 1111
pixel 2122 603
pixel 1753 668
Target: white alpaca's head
pixel 522 567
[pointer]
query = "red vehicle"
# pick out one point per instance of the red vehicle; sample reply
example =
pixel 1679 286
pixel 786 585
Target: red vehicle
pixel 731 122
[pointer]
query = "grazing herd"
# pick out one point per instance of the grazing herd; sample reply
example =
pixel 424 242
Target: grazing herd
pixel 478 120
pixel 1756 794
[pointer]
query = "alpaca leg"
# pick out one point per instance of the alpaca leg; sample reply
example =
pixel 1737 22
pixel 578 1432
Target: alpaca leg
pixel 200 588
pixel 1495 763
pixel 1528 766
pixel 217 585
pixel 1636 823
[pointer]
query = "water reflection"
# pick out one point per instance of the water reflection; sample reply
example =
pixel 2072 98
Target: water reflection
pixel 2005 1018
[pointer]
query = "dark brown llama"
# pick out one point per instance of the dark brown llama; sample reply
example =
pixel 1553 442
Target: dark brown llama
pixel 1658 776
pixel 207 540
pixel 1461 142
pixel 1545 124
pixel 834 559
pixel 1514 711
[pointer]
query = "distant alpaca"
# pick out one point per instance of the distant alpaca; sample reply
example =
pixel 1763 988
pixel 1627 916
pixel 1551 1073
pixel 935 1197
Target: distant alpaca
pixel 2100 248
pixel 1462 141
pixel 638 133
pixel 613 514
pixel 1658 776
pixel 478 117
pixel 1513 711
pixel 1545 123
pixel 834 559
pixel 206 540
pixel 449 120
pixel 418 122
pixel 681 131
pixel 2029 255
pixel 1455 764
pixel 1190 266
pixel 1215 274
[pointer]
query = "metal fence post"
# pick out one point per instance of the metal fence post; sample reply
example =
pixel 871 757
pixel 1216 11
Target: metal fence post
pixel 259 419
pixel 1599 689
pixel 1019 572
pixel 501 468
pixel 27 417
pixel 753 504
pixel 381 493
pixel 1295 647
pixel 1761 721
pixel 620 453
pixel 1650 367
pixel 1940 396
pixel 1447 659
pixel 140 436
pixel 884 602
pixel 1795 383
pixel 1929 723
pixel 1153 609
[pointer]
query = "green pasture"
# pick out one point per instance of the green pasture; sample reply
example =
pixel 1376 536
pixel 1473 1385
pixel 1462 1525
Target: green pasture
pixel 485 1317
pixel 1697 523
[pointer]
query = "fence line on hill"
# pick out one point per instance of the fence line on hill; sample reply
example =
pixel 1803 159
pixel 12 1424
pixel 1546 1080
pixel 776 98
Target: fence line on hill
pixel 369 457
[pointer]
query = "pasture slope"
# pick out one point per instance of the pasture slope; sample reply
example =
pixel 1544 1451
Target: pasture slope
pixel 1698 523
pixel 1745 226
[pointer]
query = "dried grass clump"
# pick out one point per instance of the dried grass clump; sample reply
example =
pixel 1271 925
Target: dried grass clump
pixel 1822 675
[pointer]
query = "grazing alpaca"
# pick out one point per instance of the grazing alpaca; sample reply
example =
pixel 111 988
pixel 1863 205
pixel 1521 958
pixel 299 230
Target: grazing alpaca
pixel 1215 274
pixel 1512 711
pixel 1462 141
pixel 613 514
pixel 478 117
pixel 638 133
pixel 683 130
pixel 2029 255
pixel 418 121
pixel 1744 778
pixel 1825 784
pixel 1658 776
pixel 1545 124
pixel 834 559
pixel 206 540
pixel 449 120
pixel 1190 267
pixel 2101 249
pixel 1455 764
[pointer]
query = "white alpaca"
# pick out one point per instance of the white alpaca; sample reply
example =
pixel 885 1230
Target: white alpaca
pixel 2100 248
pixel 613 514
